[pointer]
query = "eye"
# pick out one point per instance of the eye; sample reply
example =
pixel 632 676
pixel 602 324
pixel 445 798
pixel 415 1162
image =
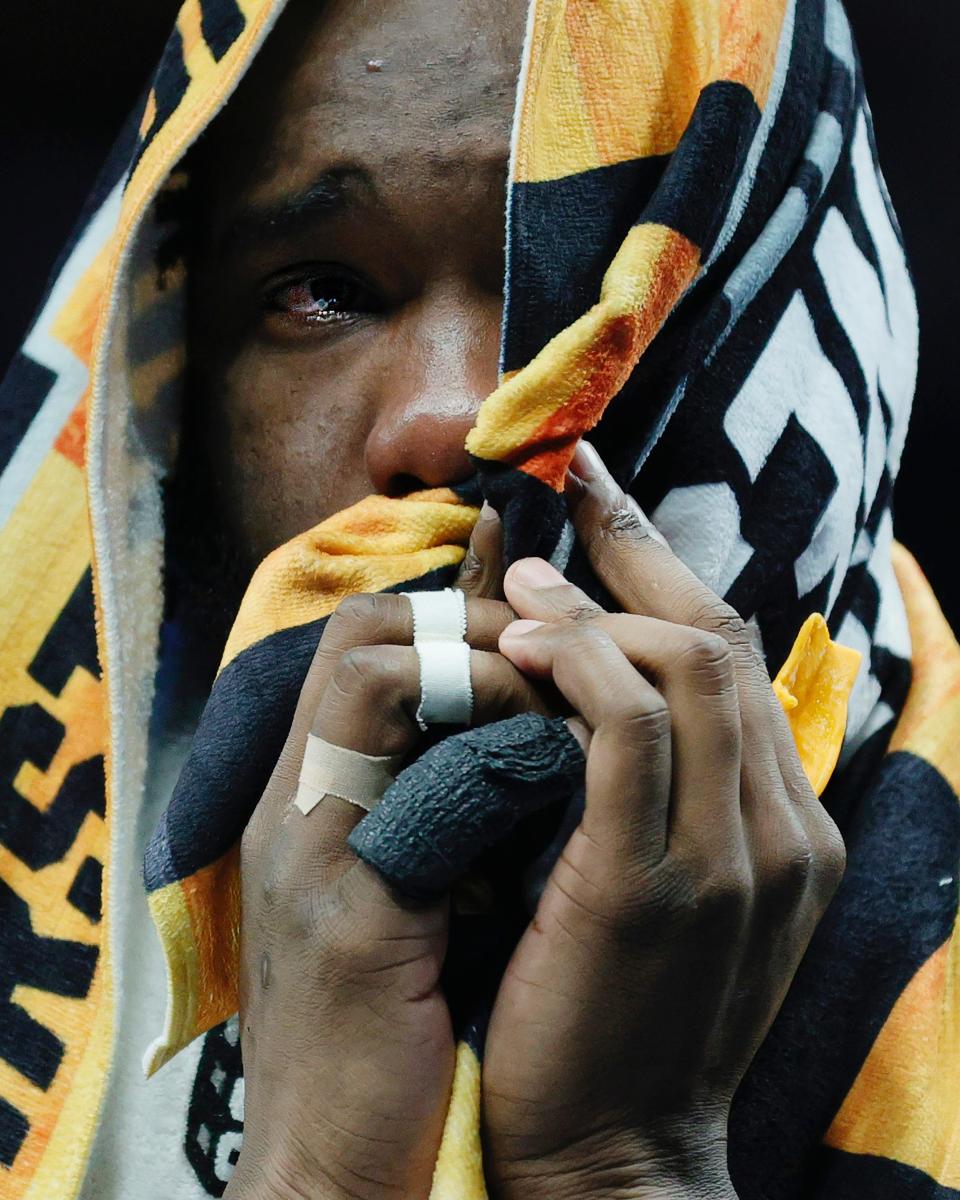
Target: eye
pixel 321 298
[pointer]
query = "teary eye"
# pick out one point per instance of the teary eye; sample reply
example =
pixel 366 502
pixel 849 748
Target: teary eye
pixel 321 298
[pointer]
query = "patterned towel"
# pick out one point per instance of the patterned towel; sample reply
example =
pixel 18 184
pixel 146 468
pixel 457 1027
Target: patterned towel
pixel 702 254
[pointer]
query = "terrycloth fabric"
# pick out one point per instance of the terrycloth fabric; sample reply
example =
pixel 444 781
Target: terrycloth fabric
pixel 701 252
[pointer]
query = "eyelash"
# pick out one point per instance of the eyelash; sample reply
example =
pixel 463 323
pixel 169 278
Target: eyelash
pixel 331 283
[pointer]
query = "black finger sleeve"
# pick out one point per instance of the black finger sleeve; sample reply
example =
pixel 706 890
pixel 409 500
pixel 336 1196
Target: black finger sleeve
pixel 465 795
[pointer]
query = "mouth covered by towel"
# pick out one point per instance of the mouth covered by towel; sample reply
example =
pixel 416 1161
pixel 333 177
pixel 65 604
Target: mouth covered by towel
pixel 645 220
pixel 703 269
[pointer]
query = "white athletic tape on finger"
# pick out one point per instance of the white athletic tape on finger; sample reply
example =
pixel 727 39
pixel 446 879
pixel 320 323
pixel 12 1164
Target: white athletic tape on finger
pixel 329 770
pixel 446 691
pixel 438 616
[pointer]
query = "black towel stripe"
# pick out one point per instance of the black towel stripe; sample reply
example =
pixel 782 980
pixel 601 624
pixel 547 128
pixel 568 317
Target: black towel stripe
pixel 221 23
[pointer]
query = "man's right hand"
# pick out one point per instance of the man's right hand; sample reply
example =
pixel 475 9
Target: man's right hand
pixel 347 1043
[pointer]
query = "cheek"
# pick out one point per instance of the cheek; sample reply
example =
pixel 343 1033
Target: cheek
pixel 288 448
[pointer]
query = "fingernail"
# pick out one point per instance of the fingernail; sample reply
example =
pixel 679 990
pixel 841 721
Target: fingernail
pixel 587 463
pixel 590 467
pixel 487 512
pixel 518 628
pixel 535 573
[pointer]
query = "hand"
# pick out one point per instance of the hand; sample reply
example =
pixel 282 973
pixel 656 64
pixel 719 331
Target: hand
pixel 347 1046
pixel 672 925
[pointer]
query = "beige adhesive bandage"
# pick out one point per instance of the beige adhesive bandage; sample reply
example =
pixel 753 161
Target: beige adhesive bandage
pixel 329 770
pixel 439 630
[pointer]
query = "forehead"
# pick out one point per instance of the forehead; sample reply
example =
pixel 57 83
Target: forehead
pixel 397 86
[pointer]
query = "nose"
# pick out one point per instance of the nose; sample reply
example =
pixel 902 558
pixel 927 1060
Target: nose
pixel 443 364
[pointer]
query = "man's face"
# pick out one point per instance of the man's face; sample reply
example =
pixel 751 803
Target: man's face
pixel 346 282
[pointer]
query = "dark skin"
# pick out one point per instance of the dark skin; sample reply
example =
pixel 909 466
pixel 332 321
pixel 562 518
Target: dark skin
pixel 346 299
pixel 349 270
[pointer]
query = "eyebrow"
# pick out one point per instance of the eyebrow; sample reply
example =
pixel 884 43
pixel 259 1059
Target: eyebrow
pixel 332 191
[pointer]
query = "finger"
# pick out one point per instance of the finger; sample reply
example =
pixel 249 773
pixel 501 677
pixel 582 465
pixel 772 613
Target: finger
pixel 370 706
pixel 645 577
pixel 360 620
pixel 463 797
pixel 780 811
pixel 369 620
pixel 721 795
pixel 796 843
pixel 537 591
pixel 629 766
pixel 694 669
pixel 481 572
pixel 636 568
pixel 785 827
pixel 694 672
pixel 382 618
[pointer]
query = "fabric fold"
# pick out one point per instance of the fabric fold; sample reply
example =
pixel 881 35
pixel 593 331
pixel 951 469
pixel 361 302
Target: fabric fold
pixel 704 273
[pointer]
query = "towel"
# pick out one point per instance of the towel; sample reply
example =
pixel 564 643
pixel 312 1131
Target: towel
pixel 704 270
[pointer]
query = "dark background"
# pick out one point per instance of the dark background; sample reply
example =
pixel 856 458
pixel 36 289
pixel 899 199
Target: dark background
pixel 69 73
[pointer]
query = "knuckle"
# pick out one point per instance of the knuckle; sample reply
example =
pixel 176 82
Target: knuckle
pixel 695 894
pixel 642 899
pixel 578 639
pixel 352 613
pixel 363 670
pixel 298 912
pixel 472 569
pixel 708 657
pixel 810 865
pixel 276 894
pixel 720 619
pixel 727 895
pixel 643 722
pixel 360 616
pixel 617 907
pixel 253 840
pixel 830 856
pixel 293 911
pixel 337 935
pixel 503 691
pixel 295 906
pixel 581 611
pixel 621 524
pixel 675 891
pixel 788 877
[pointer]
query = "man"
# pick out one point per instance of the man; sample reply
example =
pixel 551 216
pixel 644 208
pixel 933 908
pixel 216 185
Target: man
pixel 341 230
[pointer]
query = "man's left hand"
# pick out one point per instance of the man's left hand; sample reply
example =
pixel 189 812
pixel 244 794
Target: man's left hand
pixel 672 925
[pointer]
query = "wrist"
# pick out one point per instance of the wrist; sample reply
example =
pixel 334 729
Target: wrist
pixel 621 1167
pixel 254 1182
pixel 597 1183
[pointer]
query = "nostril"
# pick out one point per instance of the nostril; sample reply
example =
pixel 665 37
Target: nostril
pixel 417 442
pixel 403 485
